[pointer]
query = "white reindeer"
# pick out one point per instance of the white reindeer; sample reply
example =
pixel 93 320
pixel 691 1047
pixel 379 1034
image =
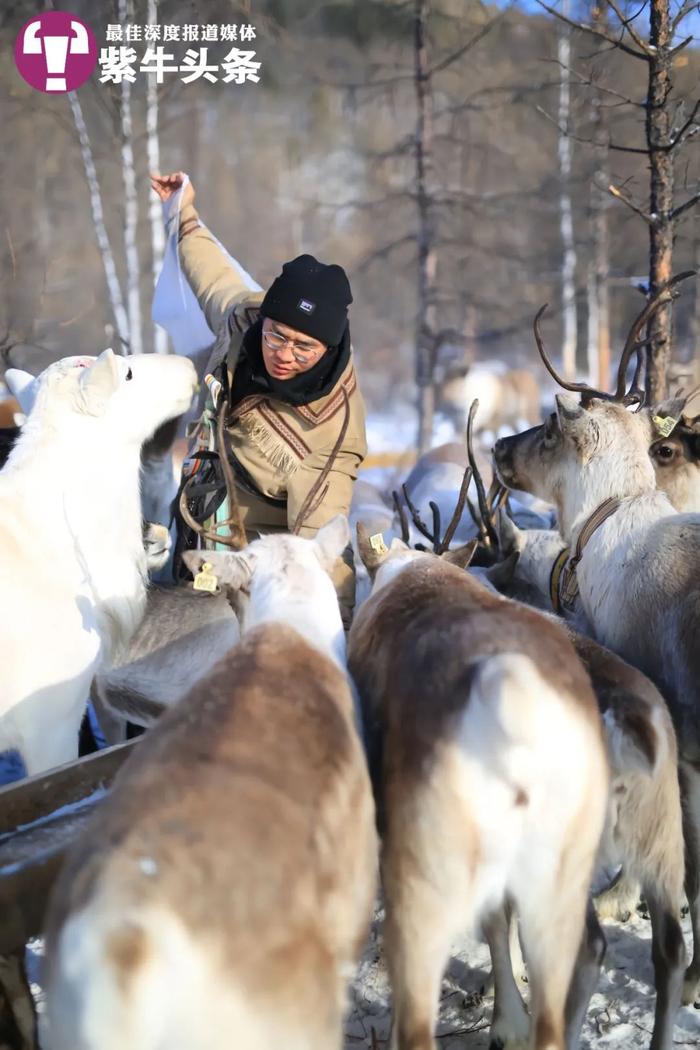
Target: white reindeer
pixel 490 776
pixel 72 561
pixel 637 573
pixel 223 894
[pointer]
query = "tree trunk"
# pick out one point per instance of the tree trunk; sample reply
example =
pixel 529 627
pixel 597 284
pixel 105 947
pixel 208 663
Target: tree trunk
pixel 658 133
pixel 131 206
pixel 160 336
pixel 427 258
pixel 113 288
pixel 568 270
pixel 695 317
pixel 598 292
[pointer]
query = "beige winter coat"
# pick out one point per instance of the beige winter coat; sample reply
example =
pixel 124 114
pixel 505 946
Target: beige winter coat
pixel 282 447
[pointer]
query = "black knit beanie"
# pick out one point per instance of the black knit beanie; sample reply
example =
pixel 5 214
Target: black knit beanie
pixel 312 297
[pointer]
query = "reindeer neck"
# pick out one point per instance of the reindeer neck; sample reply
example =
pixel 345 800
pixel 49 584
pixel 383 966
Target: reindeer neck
pixel 86 493
pixel 314 616
pixel 615 476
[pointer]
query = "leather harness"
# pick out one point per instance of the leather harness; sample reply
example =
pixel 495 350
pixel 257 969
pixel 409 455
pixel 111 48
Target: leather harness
pixel 563 585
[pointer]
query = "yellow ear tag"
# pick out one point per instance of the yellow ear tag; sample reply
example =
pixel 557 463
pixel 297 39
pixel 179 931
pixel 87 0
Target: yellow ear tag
pixel 205 580
pixel 377 544
pixel 664 424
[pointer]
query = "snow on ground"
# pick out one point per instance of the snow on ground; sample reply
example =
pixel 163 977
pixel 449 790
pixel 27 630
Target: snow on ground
pixel 620 1017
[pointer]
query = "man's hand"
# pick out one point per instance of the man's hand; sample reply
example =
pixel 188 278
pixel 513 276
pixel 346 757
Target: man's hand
pixel 166 186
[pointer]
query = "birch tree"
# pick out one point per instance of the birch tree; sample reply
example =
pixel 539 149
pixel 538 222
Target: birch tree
pixel 566 222
pixel 133 266
pixel 427 256
pixel 160 337
pixel 599 265
pixel 113 287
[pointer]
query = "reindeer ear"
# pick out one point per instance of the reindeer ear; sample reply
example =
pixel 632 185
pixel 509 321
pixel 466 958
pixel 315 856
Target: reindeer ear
pixel 691 408
pixel 232 571
pixel 578 425
pixel 510 537
pixel 501 574
pixel 99 382
pixel 372 554
pixel 23 386
pixel 331 540
pixel 461 556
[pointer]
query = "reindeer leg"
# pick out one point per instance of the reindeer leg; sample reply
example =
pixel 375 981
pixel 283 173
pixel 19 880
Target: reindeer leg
pixel 668 955
pixel 17 1017
pixel 585 977
pixel 418 931
pixel 552 910
pixel 690 782
pixel 510 1026
pixel 427 903
pixel 619 901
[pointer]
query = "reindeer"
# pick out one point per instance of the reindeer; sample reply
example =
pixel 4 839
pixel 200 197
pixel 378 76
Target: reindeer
pixel 675 452
pixel 161 454
pixel 644 829
pixel 634 561
pixel 182 635
pixel 224 892
pixel 490 777
pixel 508 399
pixel 72 561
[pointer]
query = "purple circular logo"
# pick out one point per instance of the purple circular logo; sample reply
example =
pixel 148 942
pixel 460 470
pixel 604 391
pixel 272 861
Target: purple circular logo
pixel 55 52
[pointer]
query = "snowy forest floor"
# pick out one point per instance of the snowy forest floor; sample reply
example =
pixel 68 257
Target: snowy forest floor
pixel 621 1014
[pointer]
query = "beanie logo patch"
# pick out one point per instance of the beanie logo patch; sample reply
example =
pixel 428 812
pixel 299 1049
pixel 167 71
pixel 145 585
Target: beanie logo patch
pixel 306 307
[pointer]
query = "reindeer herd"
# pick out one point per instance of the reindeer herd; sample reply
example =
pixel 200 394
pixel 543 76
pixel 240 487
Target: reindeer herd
pixel 482 760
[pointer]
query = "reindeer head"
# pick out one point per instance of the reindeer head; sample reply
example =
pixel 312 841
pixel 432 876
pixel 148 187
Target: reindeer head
pixel 587 452
pixel 580 456
pixel 525 560
pixel 276 574
pixel 124 399
pixel 384 563
pixel 676 455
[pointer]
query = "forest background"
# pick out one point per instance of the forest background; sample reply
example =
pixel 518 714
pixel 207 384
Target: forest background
pixel 320 156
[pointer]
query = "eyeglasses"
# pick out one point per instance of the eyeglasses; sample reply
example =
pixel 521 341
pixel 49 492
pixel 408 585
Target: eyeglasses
pixel 276 341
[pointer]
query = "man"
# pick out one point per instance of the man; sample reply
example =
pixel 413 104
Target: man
pixel 288 359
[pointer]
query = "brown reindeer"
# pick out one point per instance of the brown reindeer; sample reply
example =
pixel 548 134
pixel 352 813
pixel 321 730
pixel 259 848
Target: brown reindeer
pixel 490 778
pixel 223 894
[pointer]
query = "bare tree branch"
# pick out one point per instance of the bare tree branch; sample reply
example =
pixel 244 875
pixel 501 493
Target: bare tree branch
pixel 461 51
pixel 591 82
pixel 690 123
pixel 630 203
pixel 686 206
pixel 590 142
pixel 627 24
pixel 643 55
pixel 679 47
pixel 685 9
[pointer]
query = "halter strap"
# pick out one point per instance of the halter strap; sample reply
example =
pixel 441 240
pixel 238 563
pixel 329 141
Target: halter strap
pixel 566 582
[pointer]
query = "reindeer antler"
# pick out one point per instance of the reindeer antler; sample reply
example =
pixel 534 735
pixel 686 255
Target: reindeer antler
pixel 439 545
pixel 403 521
pixel 635 394
pixel 485 526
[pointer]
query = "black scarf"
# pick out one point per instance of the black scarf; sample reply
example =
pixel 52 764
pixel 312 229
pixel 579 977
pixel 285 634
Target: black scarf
pixel 251 376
